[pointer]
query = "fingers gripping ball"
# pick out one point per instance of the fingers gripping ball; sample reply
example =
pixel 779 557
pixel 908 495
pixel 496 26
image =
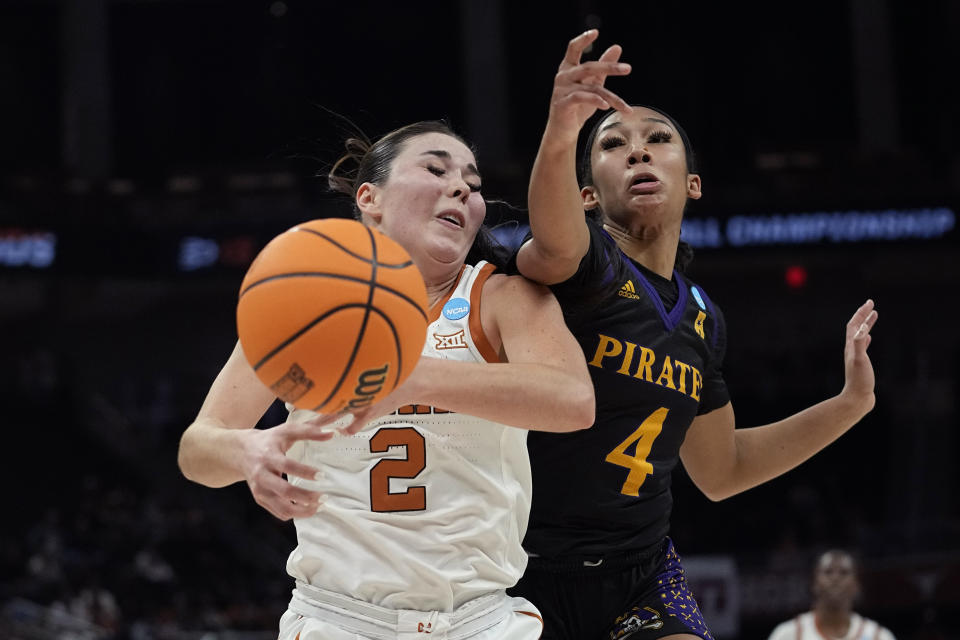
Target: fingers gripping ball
pixel 332 315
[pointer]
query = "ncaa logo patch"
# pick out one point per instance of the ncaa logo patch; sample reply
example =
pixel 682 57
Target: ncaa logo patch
pixel 456 308
pixel 698 298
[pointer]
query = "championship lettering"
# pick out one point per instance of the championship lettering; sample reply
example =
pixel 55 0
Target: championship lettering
pixel 631 359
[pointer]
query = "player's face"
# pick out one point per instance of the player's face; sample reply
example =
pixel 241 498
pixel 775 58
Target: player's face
pixel 640 178
pixel 835 579
pixel 431 202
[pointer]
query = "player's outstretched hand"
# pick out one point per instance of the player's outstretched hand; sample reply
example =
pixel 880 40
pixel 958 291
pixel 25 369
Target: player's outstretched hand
pixel 578 88
pixel 859 377
pixel 265 462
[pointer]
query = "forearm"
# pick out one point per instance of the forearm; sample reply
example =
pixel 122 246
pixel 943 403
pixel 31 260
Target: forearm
pixel 765 452
pixel 555 205
pixel 210 453
pixel 525 395
pixel 723 460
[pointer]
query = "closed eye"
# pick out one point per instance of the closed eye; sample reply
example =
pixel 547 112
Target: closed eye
pixel 437 171
pixel 660 136
pixel 612 141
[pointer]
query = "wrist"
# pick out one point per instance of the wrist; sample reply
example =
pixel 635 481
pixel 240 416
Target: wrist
pixel 558 139
pixel 413 388
pixel 854 405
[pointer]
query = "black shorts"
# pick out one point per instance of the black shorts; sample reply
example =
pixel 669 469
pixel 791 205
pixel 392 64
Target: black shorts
pixel 639 595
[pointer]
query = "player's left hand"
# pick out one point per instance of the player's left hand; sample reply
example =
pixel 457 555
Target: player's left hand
pixel 859 377
pixel 578 88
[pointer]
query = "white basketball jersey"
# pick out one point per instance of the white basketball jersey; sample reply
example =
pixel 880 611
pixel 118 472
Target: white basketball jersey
pixel 804 627
pixel 424 509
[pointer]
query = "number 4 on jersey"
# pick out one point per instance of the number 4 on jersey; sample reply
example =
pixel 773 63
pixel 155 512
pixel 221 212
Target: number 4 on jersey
pixel 639 468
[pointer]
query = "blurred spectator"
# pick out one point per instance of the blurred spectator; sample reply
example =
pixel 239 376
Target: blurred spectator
pixel 835 588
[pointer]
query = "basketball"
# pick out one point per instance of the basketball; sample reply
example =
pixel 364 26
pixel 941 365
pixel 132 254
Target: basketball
pixel 332 315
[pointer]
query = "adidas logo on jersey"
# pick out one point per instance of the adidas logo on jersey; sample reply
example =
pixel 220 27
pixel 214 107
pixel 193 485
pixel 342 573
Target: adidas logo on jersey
pixel 628 291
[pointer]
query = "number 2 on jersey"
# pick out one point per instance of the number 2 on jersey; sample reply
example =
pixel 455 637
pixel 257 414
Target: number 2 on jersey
pixel 639 468
pixel 414 498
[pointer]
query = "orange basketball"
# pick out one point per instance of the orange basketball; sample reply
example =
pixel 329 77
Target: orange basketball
pixel 332 315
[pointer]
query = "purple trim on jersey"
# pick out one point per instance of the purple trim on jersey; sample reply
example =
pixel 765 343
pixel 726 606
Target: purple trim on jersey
pixel 608 274
pixel 670 320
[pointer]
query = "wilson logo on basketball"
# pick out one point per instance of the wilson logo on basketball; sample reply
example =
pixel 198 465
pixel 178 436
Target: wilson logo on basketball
pixel 369 384
pixel 451 341
pixel 325 308
pixel 292 385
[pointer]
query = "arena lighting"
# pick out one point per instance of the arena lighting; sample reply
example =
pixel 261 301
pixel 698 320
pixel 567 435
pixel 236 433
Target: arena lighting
pixel 197 253
pixel 203 253
pixel 819 227
pixel 795 276
pixel 30 249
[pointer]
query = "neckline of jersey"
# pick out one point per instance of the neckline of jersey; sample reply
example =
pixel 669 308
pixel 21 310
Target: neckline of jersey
pixel 672 318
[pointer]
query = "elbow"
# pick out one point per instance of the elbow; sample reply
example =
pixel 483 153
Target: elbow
pixel 581 410
pixel 716 495
pixel 192 472
pixel 716 489
pixel 566 255
pixel 549 265
pixel 183 460
pixel 204 458
pixel 558 263
pixel 723 490
pixel 188 463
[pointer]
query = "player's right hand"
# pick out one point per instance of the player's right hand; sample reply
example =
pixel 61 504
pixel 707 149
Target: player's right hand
pixel 859 377
pixel 578 89
pixel 265 462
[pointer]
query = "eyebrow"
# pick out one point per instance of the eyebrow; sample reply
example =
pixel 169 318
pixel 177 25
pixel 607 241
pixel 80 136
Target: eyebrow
pixel 445 155
pixel 619 123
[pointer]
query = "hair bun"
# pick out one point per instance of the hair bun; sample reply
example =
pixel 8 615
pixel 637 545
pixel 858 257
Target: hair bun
pixel 341 178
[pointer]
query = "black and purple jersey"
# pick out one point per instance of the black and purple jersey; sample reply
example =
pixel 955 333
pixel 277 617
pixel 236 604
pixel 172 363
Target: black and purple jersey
pixel 654 348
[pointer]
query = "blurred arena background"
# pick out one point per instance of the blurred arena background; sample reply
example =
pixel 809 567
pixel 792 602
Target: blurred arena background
pixel 151 147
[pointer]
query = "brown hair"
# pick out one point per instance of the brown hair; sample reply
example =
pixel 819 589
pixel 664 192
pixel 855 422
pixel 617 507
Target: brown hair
pixel 374 159
pixel 373 163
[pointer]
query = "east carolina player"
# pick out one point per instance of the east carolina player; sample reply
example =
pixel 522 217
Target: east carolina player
pixel 602 565
pixel 411 524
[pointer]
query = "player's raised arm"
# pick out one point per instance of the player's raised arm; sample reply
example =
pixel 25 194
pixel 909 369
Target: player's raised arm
pixel 560 237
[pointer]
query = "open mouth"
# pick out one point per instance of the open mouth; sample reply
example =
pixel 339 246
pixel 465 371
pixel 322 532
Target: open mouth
pixel 453 217
pixel 644 183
